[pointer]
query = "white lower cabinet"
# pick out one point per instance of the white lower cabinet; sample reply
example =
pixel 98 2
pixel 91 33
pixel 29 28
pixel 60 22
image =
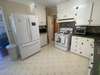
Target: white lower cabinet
pixel 82 46
pixel 43 39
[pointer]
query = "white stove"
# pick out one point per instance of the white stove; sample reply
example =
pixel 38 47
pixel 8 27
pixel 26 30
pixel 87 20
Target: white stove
pixel 63 38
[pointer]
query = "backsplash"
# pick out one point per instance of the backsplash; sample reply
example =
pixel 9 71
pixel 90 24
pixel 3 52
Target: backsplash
pixel 67 24
pixel 93 29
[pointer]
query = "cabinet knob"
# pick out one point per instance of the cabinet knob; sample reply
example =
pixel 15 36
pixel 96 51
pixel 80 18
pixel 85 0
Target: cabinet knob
pixel 80 52
pixel 90 67
pixel 92 54
pixel 92 63
pixel 90 20
pixel 82 43
pixel 64 15
pixel 75 14
pixel 77 7
pixel 91 45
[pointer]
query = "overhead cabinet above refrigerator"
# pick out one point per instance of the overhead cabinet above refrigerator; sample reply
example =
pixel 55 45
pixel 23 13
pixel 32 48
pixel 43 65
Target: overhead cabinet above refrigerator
pixel 26 34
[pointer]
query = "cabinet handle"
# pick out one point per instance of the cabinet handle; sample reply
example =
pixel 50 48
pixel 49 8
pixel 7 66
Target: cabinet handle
pixel 80 52
pixel 64 15
pixel 92 63
pixel 75 45
pixel 90 67
pixel 92 54
pixel 91 45
pixel 75 14
pixel 82 43
pixel 77 7
pixel 90 20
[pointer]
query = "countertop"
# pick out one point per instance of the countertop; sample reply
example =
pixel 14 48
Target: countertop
pixel 90 35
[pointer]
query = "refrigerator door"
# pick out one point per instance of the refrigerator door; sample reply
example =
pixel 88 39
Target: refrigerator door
pixel 34 27
pixel 22 29
pixel 26 34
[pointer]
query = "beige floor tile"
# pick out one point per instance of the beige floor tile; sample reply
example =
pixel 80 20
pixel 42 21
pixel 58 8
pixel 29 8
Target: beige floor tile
pixel 49 61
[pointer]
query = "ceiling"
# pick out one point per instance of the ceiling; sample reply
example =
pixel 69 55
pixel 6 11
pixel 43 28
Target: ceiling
pixel 48 3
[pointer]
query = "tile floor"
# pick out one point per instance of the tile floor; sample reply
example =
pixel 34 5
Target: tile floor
pixel 49 61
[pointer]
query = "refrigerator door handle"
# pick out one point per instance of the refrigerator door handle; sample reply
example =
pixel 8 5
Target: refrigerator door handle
pixel 29 30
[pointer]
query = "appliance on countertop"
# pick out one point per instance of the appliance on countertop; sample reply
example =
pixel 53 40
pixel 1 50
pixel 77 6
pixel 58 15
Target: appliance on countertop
pixel 43 29
pixel 63 39
pixel 87 31
pixel 25 30
pixel 43 35
pixel 66 30
pixel 80 30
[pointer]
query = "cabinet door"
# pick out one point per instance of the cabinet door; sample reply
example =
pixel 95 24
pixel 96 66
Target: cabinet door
pixel 82 46
pixel 83 12
pixel 96 13
pixel 40 11
pixel 65 10
pixel 74 45
pixel 86 46
pixel 84 50
pixel 42 15
pixel 61 10
pixel 43 39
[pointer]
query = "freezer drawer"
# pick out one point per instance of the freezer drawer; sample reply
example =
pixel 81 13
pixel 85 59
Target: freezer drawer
pixel 29 49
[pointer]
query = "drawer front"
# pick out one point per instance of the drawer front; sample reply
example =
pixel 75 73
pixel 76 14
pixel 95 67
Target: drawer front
pixel 82 46
pixel 29 49
pixel 74 45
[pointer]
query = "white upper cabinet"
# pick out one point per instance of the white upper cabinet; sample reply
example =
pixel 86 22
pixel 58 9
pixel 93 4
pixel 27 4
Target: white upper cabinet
pixel 40 11
pixel 82 12
pixel 65 10
pixel 96 13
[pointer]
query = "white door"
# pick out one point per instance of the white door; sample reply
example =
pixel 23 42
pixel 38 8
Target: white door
pixel 50 28
pixel 22 29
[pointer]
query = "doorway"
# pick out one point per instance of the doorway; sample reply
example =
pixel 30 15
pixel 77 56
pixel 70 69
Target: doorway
pixel 3 36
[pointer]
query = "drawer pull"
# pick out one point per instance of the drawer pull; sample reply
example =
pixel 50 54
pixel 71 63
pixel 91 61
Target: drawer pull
pixel 90 67
pixel 92 63
pixel 82 43
pixel 75 14
pixel 91 45
pixel 80 52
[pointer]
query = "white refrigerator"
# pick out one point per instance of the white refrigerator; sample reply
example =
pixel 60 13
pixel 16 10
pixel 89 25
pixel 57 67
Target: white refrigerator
pixel 25 30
